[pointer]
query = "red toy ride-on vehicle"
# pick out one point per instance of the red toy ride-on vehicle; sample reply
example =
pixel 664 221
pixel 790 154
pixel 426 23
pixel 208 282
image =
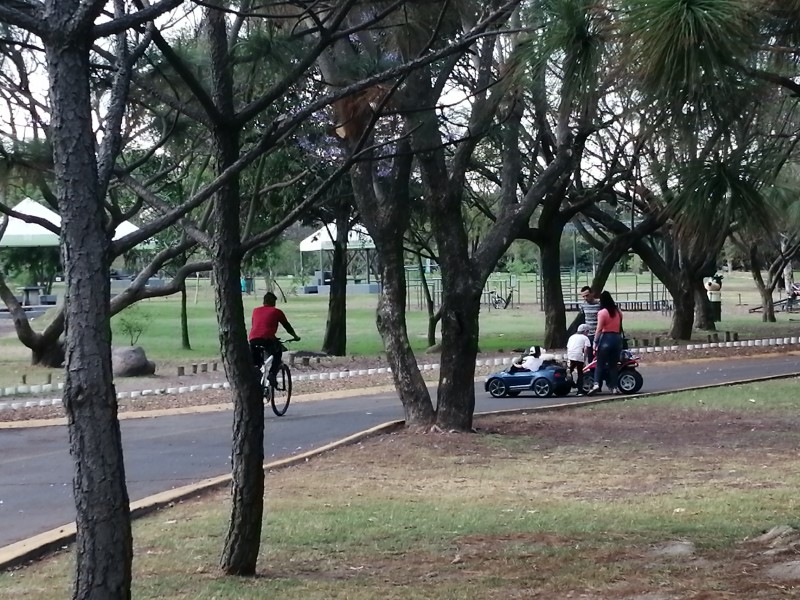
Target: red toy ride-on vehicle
pixel 629 380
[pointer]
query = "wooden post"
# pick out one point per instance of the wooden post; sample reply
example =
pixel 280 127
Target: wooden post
pixel 306 361
pixel 181 371
pixel 194 369
pixel 735 336
pixel 204 367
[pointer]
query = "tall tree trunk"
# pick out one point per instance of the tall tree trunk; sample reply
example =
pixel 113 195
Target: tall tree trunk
pixel 703 317
pixel 391 321
pixel 243 540
pixel 555 318
pixel 767 306
pixel 765 289
pixel 461 303
pixel 683 311
pixel 335 342
pixel 788 268
pixel 104 548
pixel 434 316
pixel 386 219
pixel 185 344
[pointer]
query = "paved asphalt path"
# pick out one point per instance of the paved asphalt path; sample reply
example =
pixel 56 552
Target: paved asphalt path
pixel 166 452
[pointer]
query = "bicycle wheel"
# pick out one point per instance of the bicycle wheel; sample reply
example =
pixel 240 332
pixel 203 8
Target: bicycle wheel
pixel 282 393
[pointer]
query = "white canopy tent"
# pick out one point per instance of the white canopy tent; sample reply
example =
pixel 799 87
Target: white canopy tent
pixel 31 235
pixel 357 239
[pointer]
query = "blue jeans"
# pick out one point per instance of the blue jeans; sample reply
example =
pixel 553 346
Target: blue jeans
pixel 608 350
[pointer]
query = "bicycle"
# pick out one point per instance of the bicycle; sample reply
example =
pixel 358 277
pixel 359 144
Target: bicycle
pixel 497 301
pixel 279 395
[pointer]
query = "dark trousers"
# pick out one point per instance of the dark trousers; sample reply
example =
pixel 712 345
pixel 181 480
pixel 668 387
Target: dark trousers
pixel 261 349
pixel 608 350
pixel 576 364
pixel 590 356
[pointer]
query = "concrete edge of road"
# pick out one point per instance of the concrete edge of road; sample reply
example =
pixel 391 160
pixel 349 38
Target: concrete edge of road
pixel 32 548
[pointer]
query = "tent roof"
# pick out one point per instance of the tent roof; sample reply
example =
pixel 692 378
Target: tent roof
pixel 22 234
pixel 322 239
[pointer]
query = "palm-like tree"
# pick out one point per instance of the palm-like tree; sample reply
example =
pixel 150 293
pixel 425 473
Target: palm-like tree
pixel 702 64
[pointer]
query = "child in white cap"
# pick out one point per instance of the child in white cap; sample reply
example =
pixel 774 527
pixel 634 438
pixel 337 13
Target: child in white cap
pixel 578 348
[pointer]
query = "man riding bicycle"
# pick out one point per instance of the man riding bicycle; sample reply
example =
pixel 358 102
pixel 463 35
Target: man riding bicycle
pixel 263 341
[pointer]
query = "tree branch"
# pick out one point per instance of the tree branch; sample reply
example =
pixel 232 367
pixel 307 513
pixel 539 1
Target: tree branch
pixel 25 14
pixel 144 15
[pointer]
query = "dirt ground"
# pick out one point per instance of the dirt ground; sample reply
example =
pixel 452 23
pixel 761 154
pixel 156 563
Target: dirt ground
pixel 675 568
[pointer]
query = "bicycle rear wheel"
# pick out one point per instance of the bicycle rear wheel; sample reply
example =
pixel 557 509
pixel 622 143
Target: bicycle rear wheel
pixel 282 393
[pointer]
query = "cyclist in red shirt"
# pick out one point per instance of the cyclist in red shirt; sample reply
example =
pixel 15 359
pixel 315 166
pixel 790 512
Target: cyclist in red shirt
pixel 262 334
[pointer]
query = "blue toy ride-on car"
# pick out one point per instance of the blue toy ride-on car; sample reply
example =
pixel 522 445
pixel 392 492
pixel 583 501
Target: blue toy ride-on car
pixel 551 379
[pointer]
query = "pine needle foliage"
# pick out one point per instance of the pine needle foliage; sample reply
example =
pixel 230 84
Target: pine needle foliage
pixel 572 34
pixel 688 53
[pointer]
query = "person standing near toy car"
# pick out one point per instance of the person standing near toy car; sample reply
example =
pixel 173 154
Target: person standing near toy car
pixel 578 349
pixel 607 344
pixel 589 308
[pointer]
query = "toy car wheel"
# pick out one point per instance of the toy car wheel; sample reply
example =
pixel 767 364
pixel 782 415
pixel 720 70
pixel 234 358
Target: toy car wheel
pixel 542 388
pixel 629 381
pixel 497 388
pixel 588 381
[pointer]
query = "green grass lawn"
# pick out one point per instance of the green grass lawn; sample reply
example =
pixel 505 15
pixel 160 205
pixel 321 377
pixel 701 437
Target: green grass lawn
pixel 519 326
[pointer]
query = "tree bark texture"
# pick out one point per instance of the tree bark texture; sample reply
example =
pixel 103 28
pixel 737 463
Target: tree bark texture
pixel 335 342
pixel 103 544
pixel 764 288
pixel 461 304
pixel 434 316
pixel 185 343
pixel 767 306
pixel 391 321
pixel 555 318
pixel 386 219
pixel 703 319
pixel 683 311
pixel 456 391
pixel 243 540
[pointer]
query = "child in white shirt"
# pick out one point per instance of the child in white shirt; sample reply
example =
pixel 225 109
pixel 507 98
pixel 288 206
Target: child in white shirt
pixel 578 348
